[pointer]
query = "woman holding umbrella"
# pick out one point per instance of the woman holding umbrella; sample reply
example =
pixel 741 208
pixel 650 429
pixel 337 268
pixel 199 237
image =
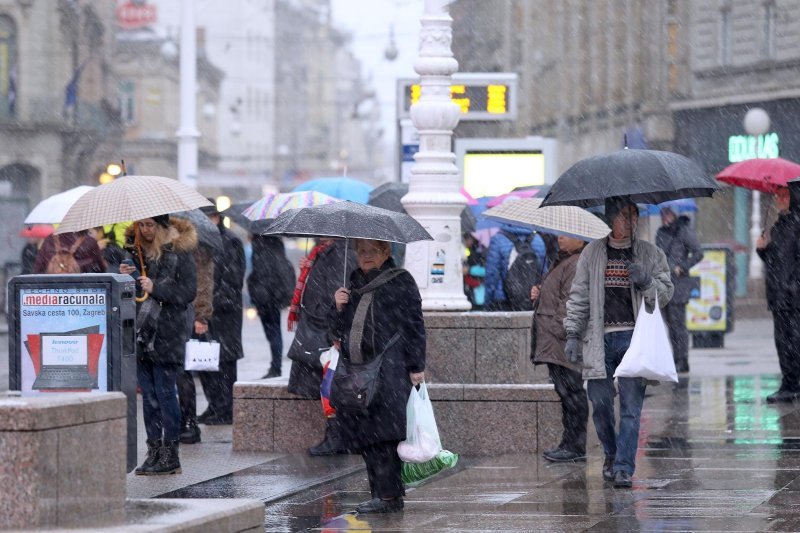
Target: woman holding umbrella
pixel 391 325
pixel 162 248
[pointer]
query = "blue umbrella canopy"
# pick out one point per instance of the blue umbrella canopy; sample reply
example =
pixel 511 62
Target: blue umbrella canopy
pixel 340 187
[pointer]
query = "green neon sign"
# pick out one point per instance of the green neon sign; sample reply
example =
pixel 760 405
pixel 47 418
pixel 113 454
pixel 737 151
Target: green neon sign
pixel 743 147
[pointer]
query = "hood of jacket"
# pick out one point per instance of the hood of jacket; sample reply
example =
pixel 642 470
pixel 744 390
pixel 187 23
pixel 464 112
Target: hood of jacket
pixel 182 235
pixel 516 230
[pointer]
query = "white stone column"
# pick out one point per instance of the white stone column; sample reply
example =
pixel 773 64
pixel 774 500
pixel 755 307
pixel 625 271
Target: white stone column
pixel 433 197
pixel 187 130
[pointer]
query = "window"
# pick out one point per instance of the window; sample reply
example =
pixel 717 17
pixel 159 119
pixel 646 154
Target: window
pixel 769 30
pixel 8 68
pixel 127 102
pixel 725 34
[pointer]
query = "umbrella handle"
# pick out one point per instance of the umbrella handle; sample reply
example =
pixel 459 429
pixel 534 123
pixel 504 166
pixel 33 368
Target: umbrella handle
pixel 344 274
pixel 138 243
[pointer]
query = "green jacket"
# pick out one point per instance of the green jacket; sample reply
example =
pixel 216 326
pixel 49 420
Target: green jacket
pixel 587 297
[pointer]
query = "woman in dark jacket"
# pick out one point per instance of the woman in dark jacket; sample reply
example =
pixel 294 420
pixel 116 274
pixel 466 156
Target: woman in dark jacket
pixel 549 339
pixel 393 326
pixel 168 279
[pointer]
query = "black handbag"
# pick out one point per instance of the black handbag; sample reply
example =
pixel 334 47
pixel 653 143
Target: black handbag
pixel 533 330
pixel 355 386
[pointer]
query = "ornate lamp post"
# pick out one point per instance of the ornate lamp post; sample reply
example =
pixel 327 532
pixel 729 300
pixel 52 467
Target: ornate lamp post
pixel 433 197
pixel 756 122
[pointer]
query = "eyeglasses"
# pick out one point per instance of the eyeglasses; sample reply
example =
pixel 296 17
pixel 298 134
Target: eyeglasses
pixel 368 252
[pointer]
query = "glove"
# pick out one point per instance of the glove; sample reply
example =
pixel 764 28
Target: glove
pixel 638 276
pixel 573 349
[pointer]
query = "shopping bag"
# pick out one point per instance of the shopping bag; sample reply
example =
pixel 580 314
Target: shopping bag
pixel 202 356
pixel 329 360
pixel 414 473
pixel 422 437
pixel 650 354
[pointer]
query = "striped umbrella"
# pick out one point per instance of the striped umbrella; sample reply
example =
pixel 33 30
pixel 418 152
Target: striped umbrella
pixel 566 220
pixel 272 205
pixel 130 198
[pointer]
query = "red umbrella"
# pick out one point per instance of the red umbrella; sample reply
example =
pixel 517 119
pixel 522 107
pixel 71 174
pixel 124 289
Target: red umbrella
pixel 38 231
pixel 765 175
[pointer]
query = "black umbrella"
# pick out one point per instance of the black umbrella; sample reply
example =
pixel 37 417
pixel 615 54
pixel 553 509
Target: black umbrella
pixel 646 176
pixel 207 232
pixel 388 195
pixel 234 212
pixel 348 220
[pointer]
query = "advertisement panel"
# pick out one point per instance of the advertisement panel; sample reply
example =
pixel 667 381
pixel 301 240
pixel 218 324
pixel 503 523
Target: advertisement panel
pixel 63 339
pixel 709 307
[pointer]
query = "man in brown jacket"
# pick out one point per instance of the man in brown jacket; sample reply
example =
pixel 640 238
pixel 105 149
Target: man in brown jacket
pixel 547 347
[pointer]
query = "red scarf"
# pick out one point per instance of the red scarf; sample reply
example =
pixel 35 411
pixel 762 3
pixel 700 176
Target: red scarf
pixel 294 308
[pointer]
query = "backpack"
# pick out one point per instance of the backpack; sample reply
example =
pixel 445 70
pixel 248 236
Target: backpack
pixel 284 290
pixel 523 273
pixel 63 260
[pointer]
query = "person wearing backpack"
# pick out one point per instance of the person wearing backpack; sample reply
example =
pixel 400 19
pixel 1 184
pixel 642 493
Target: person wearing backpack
pixel 513 266
pixel 69 253
pixel 270 285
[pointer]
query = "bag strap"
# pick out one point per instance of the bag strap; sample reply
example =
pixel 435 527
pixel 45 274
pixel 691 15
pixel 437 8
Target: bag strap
pixel 75 246
pixel 367 292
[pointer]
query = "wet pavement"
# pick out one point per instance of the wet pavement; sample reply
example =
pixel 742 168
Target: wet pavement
pixel 713 456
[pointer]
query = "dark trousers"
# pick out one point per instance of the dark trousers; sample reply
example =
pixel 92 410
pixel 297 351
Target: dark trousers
pixel 162 416
pixel 574 407
pixel 383 469
pixel 218 388
pixel 675 317
pixel 271 321
pixel 623 445
pixel 187 395
pixel 787 343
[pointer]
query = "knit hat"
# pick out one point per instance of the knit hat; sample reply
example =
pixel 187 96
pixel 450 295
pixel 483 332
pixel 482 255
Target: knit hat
pixel 616 204
pixel 161 220
pixel 210 210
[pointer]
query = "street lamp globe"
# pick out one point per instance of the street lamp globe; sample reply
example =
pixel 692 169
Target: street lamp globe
pixel 756 121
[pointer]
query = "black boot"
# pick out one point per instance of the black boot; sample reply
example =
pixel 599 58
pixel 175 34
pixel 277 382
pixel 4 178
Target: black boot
pixel 153 449
pixel 330 444
pixel 190 433
pixel 168 461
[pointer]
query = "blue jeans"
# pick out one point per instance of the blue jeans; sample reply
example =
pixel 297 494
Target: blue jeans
pixel 162 415
pixel 601 393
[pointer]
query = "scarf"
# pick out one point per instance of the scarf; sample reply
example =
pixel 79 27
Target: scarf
pixel 619 244
pixel 300 287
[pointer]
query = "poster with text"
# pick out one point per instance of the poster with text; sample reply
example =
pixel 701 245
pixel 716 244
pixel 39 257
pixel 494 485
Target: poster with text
pixel 707 311
pixel 63 339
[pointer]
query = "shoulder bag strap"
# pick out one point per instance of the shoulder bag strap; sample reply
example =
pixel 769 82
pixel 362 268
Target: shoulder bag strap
pixel 359 319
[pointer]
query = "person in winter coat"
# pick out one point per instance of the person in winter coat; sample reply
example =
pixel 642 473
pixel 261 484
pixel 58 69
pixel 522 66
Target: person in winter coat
pixel 225 326
pixel 270 285
pixel 612 277
pixel 498 261
pixel 392 326
pixel 548 348
pixel 161 250
pixel 781 255
pixel 321 273
pixel 113 254
pixel 87 254
pixel 679 243
pixel 203 307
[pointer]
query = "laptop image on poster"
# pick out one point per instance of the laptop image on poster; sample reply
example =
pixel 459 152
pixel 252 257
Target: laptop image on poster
pixel 64 362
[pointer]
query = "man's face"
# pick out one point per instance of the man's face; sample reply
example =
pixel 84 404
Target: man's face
pixel 624 224
pixel 147 229
pixel 667 216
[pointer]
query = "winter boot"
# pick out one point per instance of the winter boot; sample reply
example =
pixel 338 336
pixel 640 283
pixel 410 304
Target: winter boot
pixel 153 452
pixel 168 461
pixel 330 444
pixel 190 433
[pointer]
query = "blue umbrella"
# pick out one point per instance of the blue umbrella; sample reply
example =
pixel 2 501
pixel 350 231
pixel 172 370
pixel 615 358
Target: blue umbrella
pixel 339 187
pixel 682 205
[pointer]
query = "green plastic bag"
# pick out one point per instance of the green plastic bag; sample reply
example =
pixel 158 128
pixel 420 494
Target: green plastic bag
pixel 414 473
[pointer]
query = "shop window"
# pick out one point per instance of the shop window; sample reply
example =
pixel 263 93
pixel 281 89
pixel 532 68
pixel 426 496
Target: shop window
pixel 769 30
pixel 127 102
pixel 725 38
pixel 8 68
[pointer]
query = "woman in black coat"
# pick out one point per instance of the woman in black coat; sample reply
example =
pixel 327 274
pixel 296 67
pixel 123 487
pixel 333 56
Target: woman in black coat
pixel 169 281
pixel 394 326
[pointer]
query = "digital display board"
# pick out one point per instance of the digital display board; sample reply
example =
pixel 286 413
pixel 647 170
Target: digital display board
pixel 491 173
pixel 489 96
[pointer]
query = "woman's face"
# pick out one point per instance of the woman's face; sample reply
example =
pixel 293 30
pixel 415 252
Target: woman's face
pixel 624 224
pixel 147 229
pixel 371 254
pixel 782 199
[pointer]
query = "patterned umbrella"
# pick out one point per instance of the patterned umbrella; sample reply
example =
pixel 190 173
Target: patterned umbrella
pixel 272 205
pixel 130 198
pixel 566 220
pixel 52 210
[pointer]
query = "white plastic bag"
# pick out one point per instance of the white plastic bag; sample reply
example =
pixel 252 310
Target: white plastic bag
pixel 422 437
pixel 202 356
pixel 650 354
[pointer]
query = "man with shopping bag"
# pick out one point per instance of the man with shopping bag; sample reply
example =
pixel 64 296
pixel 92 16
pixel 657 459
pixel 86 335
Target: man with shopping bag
pixel 613 276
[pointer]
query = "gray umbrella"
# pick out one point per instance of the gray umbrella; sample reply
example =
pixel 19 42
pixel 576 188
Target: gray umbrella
pixel 646 176
pixel 348 220
pixel 207 232
pixel 388 195
pixel 234 212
